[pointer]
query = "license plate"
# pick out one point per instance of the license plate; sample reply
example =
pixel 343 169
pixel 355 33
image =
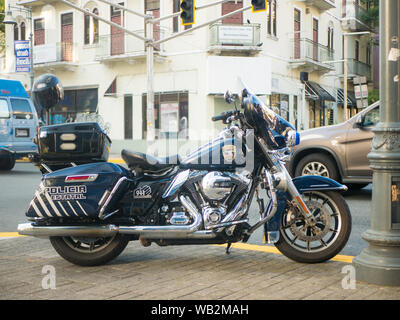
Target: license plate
pixel 22 132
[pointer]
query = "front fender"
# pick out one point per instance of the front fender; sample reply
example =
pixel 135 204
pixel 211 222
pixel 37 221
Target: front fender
pixel 303 184
pixel 308 183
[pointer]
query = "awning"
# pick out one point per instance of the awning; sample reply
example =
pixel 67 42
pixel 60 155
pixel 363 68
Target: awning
pixel 351 98
pixel 315 92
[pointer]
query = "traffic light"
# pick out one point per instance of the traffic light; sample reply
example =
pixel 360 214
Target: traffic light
pixel 259 5
pixel 187 12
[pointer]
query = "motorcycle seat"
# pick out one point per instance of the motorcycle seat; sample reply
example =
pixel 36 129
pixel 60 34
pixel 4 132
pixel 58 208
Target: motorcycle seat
pixel 148 162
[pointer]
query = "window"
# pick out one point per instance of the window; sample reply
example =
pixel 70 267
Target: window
pixel 357 50
pixel 39 32
pixel 4 113
pixel 330 38
pixel 368 55
pixel 75 101
pixel 230 6
pixel 170 115
pixel 16 32
pixel 128 117
pixel 271 18
pixel 23 31
pixel 371 118
pixel 91 26
pixel 21 109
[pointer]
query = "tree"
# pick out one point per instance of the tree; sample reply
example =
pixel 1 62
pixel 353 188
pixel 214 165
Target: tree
pixel 2 7
pixel 372 15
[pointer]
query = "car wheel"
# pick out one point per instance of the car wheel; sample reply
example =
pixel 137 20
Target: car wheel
pixel 7 163
pixel 317 164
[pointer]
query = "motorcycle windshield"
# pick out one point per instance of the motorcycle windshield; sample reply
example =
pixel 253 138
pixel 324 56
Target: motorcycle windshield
pixel 272 128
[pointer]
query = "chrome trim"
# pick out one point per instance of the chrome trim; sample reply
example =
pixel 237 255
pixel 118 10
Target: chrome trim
pixel 178 182
pixel 113 191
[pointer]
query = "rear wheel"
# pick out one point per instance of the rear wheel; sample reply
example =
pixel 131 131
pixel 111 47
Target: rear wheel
pixel 89 251
pixel 321 240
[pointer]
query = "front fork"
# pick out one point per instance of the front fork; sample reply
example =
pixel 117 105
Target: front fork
pixel 286 184
pixel 279 181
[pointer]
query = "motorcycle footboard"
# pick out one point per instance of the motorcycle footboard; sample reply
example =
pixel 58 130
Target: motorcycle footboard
pixel 89 190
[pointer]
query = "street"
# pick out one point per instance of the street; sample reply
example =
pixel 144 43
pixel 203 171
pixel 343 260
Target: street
pixel 17 188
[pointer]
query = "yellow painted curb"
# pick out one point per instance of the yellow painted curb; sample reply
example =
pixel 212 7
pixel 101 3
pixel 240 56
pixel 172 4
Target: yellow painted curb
pixel 10 235
pixel 116 160
pixel 271 249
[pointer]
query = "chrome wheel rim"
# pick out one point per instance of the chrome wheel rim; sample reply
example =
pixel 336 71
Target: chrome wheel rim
pixel 315 168
pixel 88 245
pixel 313 238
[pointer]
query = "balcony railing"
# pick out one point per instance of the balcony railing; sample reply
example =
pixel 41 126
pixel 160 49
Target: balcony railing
pixel 234 37
pixel 53 53
pixel 120 46
pixel 355 16
pixel 357 69
pixel 321 4
pixel 308 52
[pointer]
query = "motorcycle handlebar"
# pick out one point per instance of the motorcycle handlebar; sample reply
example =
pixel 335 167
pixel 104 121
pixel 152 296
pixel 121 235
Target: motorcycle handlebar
pixel 223 116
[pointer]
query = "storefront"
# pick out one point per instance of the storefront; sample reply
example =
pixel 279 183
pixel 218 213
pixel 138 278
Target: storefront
pixel 318 100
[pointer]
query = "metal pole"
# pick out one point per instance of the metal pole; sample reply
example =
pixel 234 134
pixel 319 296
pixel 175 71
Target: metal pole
pixel 379 263
pixel 30 16
pixel 150 80
pixel 345 71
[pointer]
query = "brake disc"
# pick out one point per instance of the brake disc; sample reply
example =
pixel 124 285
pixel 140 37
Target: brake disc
pixel 318 230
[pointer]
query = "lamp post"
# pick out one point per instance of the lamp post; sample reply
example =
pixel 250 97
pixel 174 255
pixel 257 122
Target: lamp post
pixel 9 19
pixel 379 263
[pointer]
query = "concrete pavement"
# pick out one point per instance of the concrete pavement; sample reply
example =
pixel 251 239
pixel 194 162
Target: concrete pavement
pixel 176 273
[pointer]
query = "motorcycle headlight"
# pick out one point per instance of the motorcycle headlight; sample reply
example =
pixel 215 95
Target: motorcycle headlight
pixel 292 138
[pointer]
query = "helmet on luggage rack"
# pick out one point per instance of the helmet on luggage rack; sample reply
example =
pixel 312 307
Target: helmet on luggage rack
pixel 47 91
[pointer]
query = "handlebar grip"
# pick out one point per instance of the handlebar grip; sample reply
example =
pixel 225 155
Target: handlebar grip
pixel 222 116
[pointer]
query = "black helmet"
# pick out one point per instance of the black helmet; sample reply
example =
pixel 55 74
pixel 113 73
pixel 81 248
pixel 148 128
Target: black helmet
pixel 47 91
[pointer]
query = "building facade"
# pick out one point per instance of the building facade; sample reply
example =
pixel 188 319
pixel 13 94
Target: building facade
pixel 290 55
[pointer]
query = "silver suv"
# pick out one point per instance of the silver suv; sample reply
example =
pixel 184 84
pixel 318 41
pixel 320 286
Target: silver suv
pixel 338 152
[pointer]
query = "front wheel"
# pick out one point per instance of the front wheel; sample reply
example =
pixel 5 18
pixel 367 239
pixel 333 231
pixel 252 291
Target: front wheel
pixel 89 251
pixel 321 240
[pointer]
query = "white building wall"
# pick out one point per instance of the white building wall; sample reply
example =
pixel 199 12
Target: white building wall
pixel 184 65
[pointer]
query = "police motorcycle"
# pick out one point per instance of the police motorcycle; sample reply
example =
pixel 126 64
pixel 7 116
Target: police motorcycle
pixel 91 211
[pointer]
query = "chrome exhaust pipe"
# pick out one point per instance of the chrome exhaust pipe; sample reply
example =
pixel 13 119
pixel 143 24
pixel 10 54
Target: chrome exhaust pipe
pixel 29 229
pixel 171 231
pixel 145 232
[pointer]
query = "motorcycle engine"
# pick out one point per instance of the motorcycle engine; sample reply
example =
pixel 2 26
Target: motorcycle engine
pixel 217 188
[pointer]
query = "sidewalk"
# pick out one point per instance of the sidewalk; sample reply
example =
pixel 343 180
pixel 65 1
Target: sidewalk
pixel 177 273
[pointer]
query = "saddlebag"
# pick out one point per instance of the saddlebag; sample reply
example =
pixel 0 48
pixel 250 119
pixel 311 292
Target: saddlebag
pixel 89 190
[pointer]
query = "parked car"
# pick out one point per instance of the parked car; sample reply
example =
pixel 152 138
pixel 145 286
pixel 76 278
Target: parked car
pixel 18 123
pixel 338 152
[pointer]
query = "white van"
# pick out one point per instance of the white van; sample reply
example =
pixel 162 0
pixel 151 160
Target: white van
pixel 18 123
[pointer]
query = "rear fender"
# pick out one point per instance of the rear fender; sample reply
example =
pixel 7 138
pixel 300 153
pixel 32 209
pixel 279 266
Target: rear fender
pixel 303 184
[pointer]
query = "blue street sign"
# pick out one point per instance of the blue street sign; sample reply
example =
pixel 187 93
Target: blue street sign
pixel 22 56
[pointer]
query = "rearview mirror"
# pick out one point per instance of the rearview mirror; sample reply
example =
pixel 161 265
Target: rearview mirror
pixel 228 96
pixel 359 122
